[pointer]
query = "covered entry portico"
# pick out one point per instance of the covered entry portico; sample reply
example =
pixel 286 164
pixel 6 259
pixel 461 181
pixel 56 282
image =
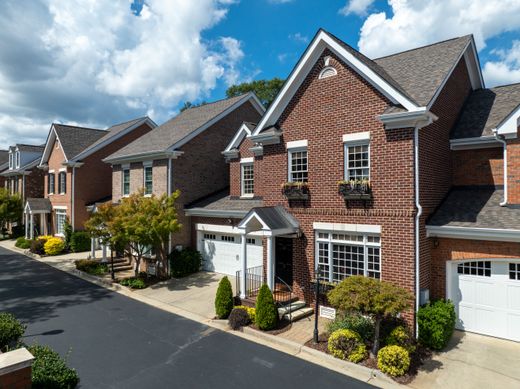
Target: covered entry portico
pixel 39 208
pixel 272 222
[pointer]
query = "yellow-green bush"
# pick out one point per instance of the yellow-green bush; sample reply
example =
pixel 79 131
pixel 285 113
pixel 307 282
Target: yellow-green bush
pixel 45 238
pixel 401 337
pixel 393 360
pixel 347 344
pixel 250 311
pixel 54 246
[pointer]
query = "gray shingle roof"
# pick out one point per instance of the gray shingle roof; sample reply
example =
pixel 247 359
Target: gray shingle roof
pixel 421 71
pixel 475 207
pixel 39 204
pixel 485 109
pixel 221 201
pixel 276 218
pixel 4 156
pixel 74 139
pixel 177 128
pixel 30 148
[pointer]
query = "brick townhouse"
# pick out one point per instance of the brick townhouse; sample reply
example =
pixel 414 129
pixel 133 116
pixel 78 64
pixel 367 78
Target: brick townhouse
pixel 389 168
pixel 75 176
pixel 183 154
pixel 4 165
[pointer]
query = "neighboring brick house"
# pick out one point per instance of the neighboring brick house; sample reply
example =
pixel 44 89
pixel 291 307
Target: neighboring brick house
pixel 183 154
pixel 75 176
pixel 383 126
pixel 4 165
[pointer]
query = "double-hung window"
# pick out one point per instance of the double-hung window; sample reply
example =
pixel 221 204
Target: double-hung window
pixel 50 182
pixel 61 217
pixel 11 161
pixel 148 179
pixel 247 178
pixel 340 255
pixel 62 182
pixel 298 161
pixel 357 156
pixel 125 181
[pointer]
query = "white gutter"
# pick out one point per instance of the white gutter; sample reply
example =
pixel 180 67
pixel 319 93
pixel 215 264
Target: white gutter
pixel 73 179
pixel 500 138
pixel 473 233
pixel 169 191
pixel 417 225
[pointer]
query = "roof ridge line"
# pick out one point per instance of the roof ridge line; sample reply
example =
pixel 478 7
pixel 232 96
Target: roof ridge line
pixel 84 128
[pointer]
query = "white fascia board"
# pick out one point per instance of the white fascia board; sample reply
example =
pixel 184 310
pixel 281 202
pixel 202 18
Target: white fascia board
pixel 481 142
pixel 307 61
pixel 250 97
pixel 356 137
pixel 341 227
pixel 143 157
pixel 398 120
pixel 51 138
pixel 244 222
pixel 242 132
pixel 297 144
pixel 90 151
pixel 509 126
pixel 492 234
pixel 222 229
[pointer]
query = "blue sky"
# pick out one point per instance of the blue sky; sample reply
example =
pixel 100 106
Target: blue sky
pixel 96 63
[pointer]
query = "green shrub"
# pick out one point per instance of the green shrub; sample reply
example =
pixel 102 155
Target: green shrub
pixel 185 262
pixel 133 282
pixel 266 311
pixel 91 267
pixel 67 232
pixel 238 318
pixel 362 325
pixel 400 336
pixel 80 241
pixel 347 344
pixel 23 243
pixel 11 330
pixel 17 231
pixel 393 360
pixel 250 311
pixel 436 324
pixel 224 299
pixel 54 246
pixel 37 246
pixel 49 370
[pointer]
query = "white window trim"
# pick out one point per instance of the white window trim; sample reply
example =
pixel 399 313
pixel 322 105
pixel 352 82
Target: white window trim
pixel 331 241
pixel 247 162
pixel 62 210
pixel 123 169
pixel 146 165
pixel 352 228
pixel 17 159
pixel 290 152
pixel 49 189
pixel 297 144
pixel 357 136
pixel 346 145
pixel 59 182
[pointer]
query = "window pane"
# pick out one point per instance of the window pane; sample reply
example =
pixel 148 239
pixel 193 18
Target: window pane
pixel 126 182
pixel 323 261
pixel 247 179
pixel 299 167
pixel 347 261
pixel 148 180
pixel 357 162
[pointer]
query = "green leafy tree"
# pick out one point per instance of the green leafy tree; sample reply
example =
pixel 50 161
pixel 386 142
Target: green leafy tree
pixel 266 311
pixel 265 90
pixel 11 208
pixel 371 297
pixel 99 223
pixel 189 104
pixel 224 299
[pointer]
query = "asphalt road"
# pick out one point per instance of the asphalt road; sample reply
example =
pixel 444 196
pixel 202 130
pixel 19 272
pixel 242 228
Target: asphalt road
pixel 116 342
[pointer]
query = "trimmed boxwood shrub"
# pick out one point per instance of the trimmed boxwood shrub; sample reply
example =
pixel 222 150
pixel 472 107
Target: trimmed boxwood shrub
pixel 23 243
pixel 11 330
pixel 266 311
pixel 54 246
pixel 393 360
pixel 347 344
pixel 436 323
pixel 185 262
pixel 224 299
pixel 49 370
pixel 37 246
pixel 91 267
pixel 79 241
pixel 238 318
pixel 362 325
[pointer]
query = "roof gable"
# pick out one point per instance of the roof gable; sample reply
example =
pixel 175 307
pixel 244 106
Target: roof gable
pixel 245 130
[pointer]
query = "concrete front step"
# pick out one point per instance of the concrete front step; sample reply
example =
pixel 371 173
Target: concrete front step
pixel 298 314
pixel 121 268
pixel 290 308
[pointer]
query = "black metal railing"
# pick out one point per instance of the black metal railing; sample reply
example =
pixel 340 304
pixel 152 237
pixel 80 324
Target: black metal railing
pixel 283 295
pixel 254 280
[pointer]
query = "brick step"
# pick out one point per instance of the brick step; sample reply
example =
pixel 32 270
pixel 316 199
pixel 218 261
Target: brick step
pixel 121 268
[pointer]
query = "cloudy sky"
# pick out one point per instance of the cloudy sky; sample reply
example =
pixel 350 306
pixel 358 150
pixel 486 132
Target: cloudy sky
pixel 99 62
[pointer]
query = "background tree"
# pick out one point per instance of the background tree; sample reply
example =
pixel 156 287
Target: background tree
pixel 371 297
pixel 189 104
pixel 11 209
pixel 99 224
pixel 265 90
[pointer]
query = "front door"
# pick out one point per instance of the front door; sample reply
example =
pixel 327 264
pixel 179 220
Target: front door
pixel 283 259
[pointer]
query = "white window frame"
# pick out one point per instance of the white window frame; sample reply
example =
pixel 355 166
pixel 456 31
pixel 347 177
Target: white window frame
pixel 60 228
pixel 11 161
pixel 246 162
pixel 147 165
pixel 123 171
pixel 17 159
pixel 331 241
pixel 346 146
pixel 296 147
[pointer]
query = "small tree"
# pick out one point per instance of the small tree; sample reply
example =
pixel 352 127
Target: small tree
pixel 377 299
pixel 266 312
pixel 224 299
pixel 99 224
pixel 11 208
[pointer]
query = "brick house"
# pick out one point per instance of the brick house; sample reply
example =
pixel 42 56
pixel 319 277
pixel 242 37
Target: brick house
pixel 183 154
pixel 356 168
pixel 75 176
pixel 4 165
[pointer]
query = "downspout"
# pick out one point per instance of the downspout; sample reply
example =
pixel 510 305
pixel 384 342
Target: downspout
pixel 417 225
pixel 500 138
pixel 73 178
pixel 23 189
pixel 169 190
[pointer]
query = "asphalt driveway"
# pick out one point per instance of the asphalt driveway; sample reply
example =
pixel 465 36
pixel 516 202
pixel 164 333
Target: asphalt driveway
pixel 116 342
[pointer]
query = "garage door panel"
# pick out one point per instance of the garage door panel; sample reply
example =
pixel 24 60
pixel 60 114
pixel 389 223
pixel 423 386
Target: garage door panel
pixel 513 296
pixel 513 326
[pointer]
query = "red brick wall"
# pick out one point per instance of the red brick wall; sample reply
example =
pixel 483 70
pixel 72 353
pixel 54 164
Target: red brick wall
pixel 478 167
pixel 55 162
pixel 18 379
pixel 443 250
pixel 513 171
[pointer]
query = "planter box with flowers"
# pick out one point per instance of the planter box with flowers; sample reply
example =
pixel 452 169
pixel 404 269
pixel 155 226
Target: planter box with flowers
pixel 355 189
pixel 296 190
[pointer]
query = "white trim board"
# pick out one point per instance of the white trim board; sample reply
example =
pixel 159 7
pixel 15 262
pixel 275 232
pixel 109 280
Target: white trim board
pixel 237 140
pixel 341 227
pixel 356 137
pixel 223 229
pixel 492 234
pixel 482 142
pixel 296 144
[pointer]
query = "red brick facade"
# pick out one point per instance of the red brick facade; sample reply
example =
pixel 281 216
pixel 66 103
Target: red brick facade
pixel 513 171
pixel 478 167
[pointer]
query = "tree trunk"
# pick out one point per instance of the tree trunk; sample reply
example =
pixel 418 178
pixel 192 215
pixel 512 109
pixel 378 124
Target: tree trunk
pixel 137 265
pixel 375 347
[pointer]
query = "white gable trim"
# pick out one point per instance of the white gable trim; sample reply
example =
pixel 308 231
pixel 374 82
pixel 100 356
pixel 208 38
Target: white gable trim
pixel 242 132
pixel 509 126
pixel 51 138
pixel 311 55
pixel 250 97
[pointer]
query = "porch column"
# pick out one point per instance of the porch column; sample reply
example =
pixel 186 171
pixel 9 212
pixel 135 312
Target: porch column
pixel 26 225
pixel 104 248
pixel 270 262
pixel 92 248
pixel 243 283
pixel 31 233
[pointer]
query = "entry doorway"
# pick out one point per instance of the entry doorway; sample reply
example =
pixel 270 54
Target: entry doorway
pixel 284 259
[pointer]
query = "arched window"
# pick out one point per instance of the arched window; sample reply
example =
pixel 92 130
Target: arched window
pixel 328 70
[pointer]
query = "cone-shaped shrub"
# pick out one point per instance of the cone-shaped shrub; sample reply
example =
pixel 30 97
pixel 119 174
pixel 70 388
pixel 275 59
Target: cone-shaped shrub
pixel 224 299
pixel 266 312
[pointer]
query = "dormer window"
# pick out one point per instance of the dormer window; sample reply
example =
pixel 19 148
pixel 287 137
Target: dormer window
pixel 11 161
pixel 247 177
pixel 17 159
pixel 328 70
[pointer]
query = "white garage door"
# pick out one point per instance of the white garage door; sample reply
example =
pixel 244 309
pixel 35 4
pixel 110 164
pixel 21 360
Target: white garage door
pixel 486 295
pixel 221 251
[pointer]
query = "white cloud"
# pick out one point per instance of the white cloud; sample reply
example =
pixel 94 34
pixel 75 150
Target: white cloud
pixel 279 1
pixel 507 69
pixel 358 7
pixel 96 62
pixel 298 37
